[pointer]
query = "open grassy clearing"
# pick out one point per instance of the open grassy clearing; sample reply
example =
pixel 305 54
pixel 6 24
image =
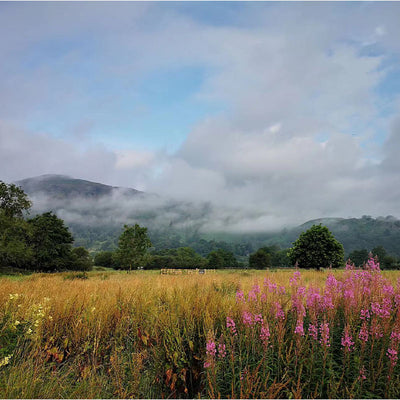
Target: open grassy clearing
pixel 147 335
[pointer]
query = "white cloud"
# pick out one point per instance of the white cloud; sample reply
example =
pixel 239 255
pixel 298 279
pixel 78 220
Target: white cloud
pixel 294 72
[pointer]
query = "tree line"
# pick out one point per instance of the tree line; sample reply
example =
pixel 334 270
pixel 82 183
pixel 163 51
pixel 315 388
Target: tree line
pixel 44 243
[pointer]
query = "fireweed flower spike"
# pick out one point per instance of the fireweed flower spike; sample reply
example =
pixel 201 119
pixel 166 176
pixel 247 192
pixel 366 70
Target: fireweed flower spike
pixel 393 357
pixel 211 348
pixel 240 297
pixel 247 318
pixel 299 328
pixel 230 323
pixel 265 334
pixel 347 340
pixel 324 331
pixel 221 350
pixel 363 335
pixel 313 331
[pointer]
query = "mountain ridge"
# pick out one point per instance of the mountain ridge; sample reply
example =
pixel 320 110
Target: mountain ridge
pixel 96 213
pixel 66 186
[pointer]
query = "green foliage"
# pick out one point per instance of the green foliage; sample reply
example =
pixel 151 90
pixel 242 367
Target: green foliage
pixel 14 237
pixel 51 242
pixel 13 200
pixel 268 257
pixel 76 275
pixel 182 257
pixel 359 257
pixel 81 259
pixel 104 259
pixel 14 231
pixel 132 247
pixel 260 259
pixel 222 259
pixel 317 248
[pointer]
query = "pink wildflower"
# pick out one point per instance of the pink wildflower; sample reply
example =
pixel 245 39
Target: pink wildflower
pixel 279 314
pixel 282 290
pixel 252 296
pixel 295 280
pixel 363 335
pixel 395 336
pixel 256 289
pixel 350 265
pixel 383 311
pixel 221 350
pixel 271 286
pixel 299 328
pixel 211 348
pixel 230 323
pixel 240 297
pixel 247 318
pixel 313 331
pixel 347 340
pixel 327 302
pixel 265 334
pixel 362 374
pixel 364 314
pixel 372 265
pixel 376 329
pixel 263 297
pixel 392 354
pixel 324 331
pixel 207 364
pixel 313 297
pixel 258 319
pixel 388 290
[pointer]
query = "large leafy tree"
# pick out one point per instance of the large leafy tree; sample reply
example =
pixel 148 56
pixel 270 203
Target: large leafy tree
pixel 317 248
pixel 13 200
pixel 51 242
pixel 132 247
pixel 14 231
pixel 14 242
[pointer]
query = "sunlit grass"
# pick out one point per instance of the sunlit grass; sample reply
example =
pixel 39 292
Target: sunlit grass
pixel 118 334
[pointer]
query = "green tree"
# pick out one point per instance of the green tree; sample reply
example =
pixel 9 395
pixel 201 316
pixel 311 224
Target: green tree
pixel 13 200
pixel 359 257
pixel 15 250
pixel 380 252
pixel 221 259
pixel 132 247
pixel 317 248
pixel 14 231
pixel 81 259
pixel 51 242
pixel 104 259
pixel 260 259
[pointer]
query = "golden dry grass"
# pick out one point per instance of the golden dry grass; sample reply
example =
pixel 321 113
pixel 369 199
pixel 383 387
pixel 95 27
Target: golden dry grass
pixel 116 334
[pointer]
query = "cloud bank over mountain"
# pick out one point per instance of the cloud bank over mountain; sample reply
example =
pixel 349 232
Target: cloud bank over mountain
pixel 277 114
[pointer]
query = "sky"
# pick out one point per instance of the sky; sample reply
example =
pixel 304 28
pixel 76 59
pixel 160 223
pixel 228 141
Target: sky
pixel 278 112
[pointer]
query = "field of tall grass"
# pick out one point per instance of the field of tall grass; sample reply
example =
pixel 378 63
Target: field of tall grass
pixel 229 334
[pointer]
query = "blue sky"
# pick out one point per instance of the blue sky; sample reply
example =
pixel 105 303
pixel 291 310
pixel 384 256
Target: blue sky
pixel 251 101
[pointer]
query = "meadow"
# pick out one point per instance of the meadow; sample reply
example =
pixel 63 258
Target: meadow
pixel 229 334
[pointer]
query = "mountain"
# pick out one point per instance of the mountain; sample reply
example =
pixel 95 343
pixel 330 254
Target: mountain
pixel 62 186
pixel 96 214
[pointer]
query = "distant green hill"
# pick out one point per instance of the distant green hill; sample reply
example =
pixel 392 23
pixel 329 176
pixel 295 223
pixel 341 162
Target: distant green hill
pixel 96 214
pixel 62 186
